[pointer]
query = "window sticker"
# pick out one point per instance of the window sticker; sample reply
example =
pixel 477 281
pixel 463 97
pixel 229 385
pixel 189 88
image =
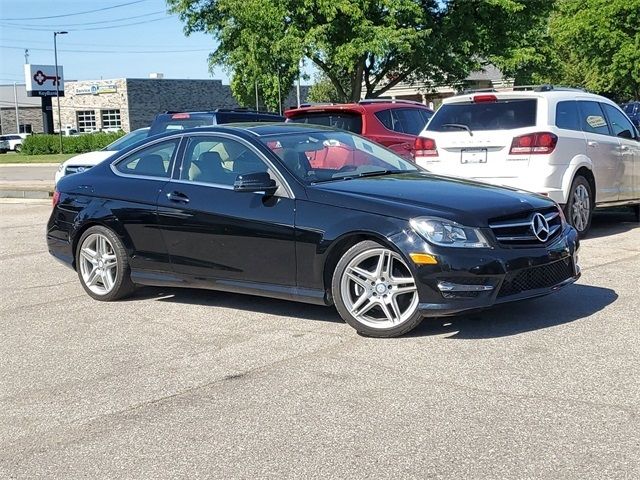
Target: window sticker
pixel 596 121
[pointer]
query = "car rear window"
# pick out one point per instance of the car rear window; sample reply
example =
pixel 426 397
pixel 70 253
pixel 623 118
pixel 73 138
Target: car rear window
pixel 500 115
pixel 404 120
pixel 167 123
pixel 344 120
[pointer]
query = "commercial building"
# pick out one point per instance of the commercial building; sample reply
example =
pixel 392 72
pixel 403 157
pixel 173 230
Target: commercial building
pixel 14 103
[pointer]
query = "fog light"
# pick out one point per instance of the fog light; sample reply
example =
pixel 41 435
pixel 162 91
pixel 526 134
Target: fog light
pixel 459 287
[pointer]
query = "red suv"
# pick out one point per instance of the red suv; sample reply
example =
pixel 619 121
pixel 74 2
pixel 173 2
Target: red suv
pixel 392 123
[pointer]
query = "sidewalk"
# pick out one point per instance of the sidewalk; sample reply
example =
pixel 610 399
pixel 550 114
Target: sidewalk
pixel 31 180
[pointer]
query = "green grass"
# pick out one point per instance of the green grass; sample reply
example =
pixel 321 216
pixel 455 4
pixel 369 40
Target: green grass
pixel 11 157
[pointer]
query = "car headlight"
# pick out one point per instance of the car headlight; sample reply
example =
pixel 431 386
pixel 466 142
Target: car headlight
pixel 447 233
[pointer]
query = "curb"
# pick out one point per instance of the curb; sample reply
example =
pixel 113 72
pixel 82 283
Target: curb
pixel 7 190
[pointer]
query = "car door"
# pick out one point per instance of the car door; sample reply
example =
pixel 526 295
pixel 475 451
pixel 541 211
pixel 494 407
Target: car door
pixel 402 125
pixel 604 151
pixel 629 147
pixel 133 194
pixel 214 233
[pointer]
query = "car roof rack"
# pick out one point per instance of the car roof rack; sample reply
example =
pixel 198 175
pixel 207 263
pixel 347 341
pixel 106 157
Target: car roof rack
pixel 479 90
pixel 526 88
pixel 389 100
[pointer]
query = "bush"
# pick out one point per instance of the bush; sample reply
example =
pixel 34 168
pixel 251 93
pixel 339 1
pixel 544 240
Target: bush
pixel 48 144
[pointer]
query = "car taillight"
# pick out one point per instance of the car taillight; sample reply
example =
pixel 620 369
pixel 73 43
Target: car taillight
pixel 540 143
pixel 56 198
pixel 178 116
pixel 425 147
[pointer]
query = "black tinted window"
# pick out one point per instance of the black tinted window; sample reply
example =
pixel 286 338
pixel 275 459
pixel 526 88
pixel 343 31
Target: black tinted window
pixel 404 120
pixel 592 118
pixel 153 161
pixel 620 124
pixel 567 115
pixel 500 115
pixel 346 121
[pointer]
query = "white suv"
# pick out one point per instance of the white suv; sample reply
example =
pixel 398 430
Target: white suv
pixel 577 148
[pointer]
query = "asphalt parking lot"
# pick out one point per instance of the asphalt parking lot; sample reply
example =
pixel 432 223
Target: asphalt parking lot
pixel 197 384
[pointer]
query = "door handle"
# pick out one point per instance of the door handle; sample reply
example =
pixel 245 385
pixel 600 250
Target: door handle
pixel 178 197
pixel 591 143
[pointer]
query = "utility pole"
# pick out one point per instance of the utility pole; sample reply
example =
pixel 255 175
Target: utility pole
pixel 279 98
pixel 57 80
pixel 257 106
pixel 300 65
pixel 15 99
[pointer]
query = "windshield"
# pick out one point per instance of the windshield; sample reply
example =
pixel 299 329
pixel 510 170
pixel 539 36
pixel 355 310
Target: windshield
pixel 500 115
pixel 128 139
pixel 333 155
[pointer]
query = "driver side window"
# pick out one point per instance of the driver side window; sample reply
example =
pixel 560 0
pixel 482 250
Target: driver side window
pixel 218 161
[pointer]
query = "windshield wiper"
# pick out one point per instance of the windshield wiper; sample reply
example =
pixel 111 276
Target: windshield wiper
pixel 461 126
pixel 373 173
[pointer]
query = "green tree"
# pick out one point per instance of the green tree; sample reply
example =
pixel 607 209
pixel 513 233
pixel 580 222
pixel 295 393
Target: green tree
pixel 598 42
pixel 323 90
pixel 364 47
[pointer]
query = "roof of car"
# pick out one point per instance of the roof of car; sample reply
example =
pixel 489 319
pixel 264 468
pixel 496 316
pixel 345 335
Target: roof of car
pixel 361 106
pixel 258 129
pixel 516 94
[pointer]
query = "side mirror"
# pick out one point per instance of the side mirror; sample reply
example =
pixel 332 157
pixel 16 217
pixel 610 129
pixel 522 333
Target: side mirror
pixel 626 134
pixel 255 182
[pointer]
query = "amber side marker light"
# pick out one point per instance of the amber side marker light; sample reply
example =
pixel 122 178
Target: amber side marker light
pixel 423 259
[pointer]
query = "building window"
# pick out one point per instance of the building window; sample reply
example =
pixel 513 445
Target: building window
pixel 25 128
pixel 111 119
pixel 86 120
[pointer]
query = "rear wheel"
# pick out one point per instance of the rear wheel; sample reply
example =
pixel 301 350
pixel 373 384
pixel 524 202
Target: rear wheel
pixel 103 265
pixel 579 207
pixel 17 148
pixel 375 292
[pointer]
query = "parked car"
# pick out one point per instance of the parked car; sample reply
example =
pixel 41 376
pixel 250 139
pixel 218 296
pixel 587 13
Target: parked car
pixel 14 141
pixel 4 146
pixel 632 109
pixel 182 120
pixel 84 161
pixel 577 148
pixel 392 123
pixel 243 209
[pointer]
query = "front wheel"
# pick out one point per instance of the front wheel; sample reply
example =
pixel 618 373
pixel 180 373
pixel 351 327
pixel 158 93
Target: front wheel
pixel 579 207
pixel 375 292
pixel 17 148
pixel 103 265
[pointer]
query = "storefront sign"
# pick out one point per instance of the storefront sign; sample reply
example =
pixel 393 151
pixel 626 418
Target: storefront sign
pixel 96 89
pixel 42 81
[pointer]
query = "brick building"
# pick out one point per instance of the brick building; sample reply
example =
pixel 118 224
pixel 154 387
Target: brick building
pixel 29 114
pixel 130 103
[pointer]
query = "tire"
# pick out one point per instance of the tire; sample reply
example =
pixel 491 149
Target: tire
pixel 579 207
pixel 103 265
pixel 17 148
pixel 375 283
pixel 636 211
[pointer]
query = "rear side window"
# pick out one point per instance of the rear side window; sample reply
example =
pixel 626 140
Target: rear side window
pixel 153 161
pixel 346 121
pixel 500 115
pixel 567 115
pixel 404 120
pixel 592 118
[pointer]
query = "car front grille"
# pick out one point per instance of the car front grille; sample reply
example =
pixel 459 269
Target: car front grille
pixel 543 276
pixel 517 231
pixel 76 169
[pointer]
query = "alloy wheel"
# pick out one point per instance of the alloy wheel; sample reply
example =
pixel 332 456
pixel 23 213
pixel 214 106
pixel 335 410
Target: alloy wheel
pixel 98 264
pixel 378 289
pixel 580 208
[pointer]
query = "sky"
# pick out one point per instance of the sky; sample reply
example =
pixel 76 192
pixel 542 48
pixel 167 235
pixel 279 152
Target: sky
pixel 134 39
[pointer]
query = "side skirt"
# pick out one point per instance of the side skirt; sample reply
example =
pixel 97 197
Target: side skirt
pixel 282 292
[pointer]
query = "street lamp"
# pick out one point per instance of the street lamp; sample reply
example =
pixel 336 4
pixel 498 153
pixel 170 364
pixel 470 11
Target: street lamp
pixel 55 54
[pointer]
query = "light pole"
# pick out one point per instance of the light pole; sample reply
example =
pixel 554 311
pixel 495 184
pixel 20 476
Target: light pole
pixel 57 80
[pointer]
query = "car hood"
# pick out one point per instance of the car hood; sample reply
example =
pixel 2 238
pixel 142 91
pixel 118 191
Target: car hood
pixel 419 193
pixel 88 159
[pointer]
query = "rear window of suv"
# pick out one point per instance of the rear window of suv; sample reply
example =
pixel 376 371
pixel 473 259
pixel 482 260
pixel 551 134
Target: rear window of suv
pixel 500 115
pixel 344 120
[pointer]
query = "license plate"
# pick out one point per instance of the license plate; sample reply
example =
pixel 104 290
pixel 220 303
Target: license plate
pixel 473 155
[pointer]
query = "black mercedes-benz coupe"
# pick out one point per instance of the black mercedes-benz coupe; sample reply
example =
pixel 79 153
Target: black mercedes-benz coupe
pixel 309 214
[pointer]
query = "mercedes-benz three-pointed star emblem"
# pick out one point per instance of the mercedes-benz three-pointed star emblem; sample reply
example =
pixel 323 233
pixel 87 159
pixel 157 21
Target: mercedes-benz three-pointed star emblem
pixel 540 227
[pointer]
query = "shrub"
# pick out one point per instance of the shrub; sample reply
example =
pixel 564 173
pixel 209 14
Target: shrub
pixel 48 144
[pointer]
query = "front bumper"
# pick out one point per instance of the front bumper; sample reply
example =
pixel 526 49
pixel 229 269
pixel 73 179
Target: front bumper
pixel 468 279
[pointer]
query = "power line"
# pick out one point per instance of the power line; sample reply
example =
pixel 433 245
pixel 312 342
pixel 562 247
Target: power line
pixel 14 26
pixel 52 26
pixel 11 47
pixel 78 13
